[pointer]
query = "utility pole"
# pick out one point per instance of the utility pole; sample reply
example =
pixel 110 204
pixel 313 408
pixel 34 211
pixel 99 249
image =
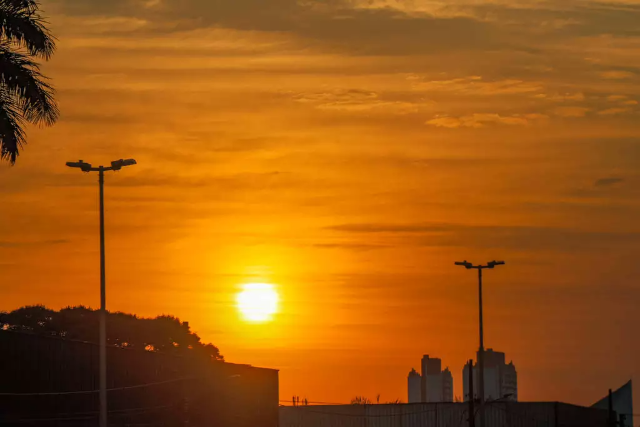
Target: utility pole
pixel 472 413
pixel 86 167
pixel 470 266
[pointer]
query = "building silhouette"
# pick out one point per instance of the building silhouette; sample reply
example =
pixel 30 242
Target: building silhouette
pixel 500 378
pixel 414 383
pixel 435 385
pixel 447 385
pixel 621 403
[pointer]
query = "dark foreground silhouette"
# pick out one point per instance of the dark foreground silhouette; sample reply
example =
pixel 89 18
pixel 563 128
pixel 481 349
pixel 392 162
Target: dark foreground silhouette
pixel 165 334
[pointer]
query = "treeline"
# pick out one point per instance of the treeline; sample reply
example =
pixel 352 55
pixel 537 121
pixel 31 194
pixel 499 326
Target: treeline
pixel 165 334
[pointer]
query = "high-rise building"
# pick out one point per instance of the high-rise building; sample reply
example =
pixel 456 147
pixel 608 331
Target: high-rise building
pixel 500 378
pixel 433 385
pixel 431 379
pixel 414 382
pixel 447 385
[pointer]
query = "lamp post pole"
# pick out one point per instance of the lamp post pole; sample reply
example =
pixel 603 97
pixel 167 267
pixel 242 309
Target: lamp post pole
pixel 481 350
pixel 470 266
pixel 103 310
pixel 86 167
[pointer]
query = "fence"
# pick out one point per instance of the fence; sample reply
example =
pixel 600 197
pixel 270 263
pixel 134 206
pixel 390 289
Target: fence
pixel 498 414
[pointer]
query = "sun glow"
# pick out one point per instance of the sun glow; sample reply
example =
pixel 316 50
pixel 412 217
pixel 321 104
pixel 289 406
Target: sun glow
pixel 257 302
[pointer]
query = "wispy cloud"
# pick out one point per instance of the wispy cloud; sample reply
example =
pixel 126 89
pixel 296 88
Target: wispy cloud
pixel 512 238
pixel 355 100
pixel 617 75
pixel 480 120
pixel 476 85
pixel 608 182
pixel 561 97
pixel 351 246
pixel 31 243
pixel 571 111
pixel 613 111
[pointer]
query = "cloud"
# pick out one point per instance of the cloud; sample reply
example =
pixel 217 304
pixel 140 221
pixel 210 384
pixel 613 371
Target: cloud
pixel 230 185
pixel 617 75
pixel 390 228
pixel 508 238
pixel 476 85
pixel 354 100
pixel 622 100
pixel 615 98
pixel 351 246
pixel 30 243
pixel 552 20
pixel 613 111
pixel 571 111
pixel 561 97
pixel 607 182
pixel 335 24
pixel 480 120
pixel 445 122
pixel 381 27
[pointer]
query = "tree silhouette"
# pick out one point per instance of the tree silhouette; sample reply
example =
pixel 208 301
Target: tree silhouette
pixel 25 96
pixel 166 334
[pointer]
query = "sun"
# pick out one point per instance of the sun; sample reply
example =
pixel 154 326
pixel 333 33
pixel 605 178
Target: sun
pixel 257 302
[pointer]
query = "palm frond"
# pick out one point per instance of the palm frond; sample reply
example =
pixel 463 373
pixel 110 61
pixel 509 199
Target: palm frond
pixel 28 5
pixel 21 77
pixel 12 136
pixel 22 24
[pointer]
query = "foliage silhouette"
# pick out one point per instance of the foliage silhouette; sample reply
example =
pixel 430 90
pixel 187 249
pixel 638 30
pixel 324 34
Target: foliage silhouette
pixel 361 400
pixel 166 334
pixel 25 95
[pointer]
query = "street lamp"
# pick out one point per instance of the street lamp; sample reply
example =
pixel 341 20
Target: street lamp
pixel 86 167
pixel 470 266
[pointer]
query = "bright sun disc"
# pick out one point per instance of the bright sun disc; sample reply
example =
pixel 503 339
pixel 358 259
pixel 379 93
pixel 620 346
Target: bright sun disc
pixel 257 302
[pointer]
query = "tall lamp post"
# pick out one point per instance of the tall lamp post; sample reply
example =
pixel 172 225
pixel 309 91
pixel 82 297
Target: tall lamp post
pixel 470 266
pixel 86 167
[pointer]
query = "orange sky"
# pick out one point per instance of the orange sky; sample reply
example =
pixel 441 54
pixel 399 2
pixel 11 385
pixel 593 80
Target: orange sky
pixel 349 152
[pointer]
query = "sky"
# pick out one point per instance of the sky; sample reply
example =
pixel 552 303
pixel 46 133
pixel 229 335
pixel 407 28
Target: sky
pixel 348 152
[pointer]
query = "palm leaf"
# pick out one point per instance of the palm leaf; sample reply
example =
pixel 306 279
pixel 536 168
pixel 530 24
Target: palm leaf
pixel 25 95
pixel 28 5
pixel 21 77
pixel 21 24
pixel 11 134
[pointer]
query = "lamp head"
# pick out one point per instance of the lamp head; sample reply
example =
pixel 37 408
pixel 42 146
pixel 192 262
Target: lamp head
pixel 119 164
pixel 83 166
pixel 465 264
